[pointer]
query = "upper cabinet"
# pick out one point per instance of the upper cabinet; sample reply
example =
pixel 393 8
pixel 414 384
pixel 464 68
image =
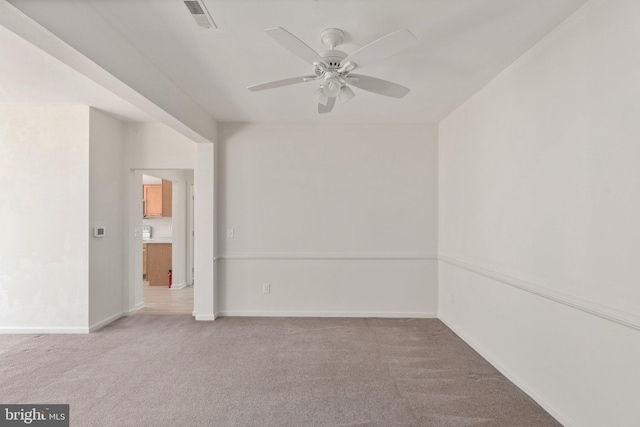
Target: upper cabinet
pixel 152 200
pixel 157 199
pixel 167 195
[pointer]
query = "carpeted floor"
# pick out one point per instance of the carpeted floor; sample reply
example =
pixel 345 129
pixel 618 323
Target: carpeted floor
pixel 151 370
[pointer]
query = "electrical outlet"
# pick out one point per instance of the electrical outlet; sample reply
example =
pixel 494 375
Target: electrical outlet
pixel 230 233
pixel 266 288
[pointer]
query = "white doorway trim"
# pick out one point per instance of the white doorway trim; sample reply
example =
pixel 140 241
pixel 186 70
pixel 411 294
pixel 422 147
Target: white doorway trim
pixel 190 235
pixel 204 290
pixel 133 253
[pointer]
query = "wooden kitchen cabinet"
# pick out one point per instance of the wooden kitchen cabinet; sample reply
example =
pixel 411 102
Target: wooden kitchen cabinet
pixel 167 196
pixel 152 200
pixel 157 199
pixel 158 263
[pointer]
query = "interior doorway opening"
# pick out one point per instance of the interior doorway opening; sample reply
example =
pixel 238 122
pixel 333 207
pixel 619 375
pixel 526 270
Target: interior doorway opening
pixel 163 245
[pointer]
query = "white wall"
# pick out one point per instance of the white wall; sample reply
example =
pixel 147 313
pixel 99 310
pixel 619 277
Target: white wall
pixel 340 220
pixel 538 203
pixel 107 198
pixel 44 218
pixel 157 146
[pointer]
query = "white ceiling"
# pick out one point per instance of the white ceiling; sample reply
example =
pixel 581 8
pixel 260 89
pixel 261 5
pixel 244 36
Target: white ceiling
pixel 28 76
pixel 462 44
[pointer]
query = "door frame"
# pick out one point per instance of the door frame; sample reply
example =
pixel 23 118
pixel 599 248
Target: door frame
pixel 190 234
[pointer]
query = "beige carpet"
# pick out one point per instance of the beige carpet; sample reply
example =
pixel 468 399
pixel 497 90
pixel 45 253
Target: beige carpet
pixel 156 370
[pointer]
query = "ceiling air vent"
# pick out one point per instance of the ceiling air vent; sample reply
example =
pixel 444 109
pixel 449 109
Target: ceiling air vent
pixel 200 14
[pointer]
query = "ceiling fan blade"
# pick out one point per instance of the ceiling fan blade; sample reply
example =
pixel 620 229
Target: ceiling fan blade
pixel 280 83
pixel 322 109
pixel 382 48
pixel 295 45
pixel 379 86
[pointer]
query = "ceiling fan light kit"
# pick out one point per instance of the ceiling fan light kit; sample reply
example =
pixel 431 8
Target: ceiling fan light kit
pixel 332 84
pixel 320 96
pixel 333 67
pixel 346 94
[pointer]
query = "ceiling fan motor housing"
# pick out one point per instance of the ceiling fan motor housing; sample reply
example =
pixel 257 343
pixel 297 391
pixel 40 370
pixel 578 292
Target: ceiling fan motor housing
pixel 332 37
pixel 333 58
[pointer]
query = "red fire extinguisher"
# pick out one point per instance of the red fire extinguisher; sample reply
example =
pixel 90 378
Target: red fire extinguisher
pixel 170 276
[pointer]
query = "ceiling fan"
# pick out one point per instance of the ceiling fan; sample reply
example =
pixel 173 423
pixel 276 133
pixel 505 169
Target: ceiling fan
pixel 334 67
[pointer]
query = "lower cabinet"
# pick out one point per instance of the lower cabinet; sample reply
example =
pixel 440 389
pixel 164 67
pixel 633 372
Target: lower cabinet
pixel 158 263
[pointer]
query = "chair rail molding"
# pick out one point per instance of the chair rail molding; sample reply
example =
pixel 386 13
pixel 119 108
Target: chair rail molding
pixel 329 256
pixel 609 313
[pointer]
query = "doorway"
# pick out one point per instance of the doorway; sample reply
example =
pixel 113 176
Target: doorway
pixel 161 258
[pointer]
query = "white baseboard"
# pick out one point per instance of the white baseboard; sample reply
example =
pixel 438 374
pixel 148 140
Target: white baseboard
pixel 134 310
pixel 105 322
pixel 63 330
pixel 177 287
pixel 205 317
pixel 327 314
pixel 555 413
pixel 38 330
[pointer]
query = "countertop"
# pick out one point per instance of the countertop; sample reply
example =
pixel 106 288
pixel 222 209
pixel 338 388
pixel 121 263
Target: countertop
pixel 158 240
